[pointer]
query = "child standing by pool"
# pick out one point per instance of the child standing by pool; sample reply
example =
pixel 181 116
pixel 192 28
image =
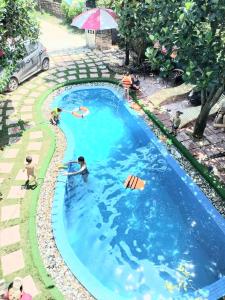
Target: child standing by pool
pixel 176 122
pixel 83 168
pixel 30 168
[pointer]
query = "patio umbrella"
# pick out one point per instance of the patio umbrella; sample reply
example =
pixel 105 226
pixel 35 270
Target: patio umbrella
pixel 96 19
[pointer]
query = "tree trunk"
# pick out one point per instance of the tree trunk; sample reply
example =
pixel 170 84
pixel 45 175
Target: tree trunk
pixel 127 53
pixel 201 121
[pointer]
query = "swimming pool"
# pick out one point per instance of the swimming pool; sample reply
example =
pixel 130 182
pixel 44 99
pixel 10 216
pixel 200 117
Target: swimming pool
pixel 165 242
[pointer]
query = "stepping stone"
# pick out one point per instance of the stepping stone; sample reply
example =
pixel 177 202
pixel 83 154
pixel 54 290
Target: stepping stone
pixel 10 212
pixel 29 100
pixel 26 117
pixel 72 72
pixel 14 130
pixel 0 126
pixel 6 167
pixel 14 140
pixel 61 74
pixel 16 192
pixel 1 180
pixel 9 112
pixel 94 75
pixel 21 175
pixel 11 122
pixel 106 75
pixel 83 71
pixel 26 108
pixel 60 80
pixel 10 153
pixel 36 135
pixel 23 91
pixel 34 146
pixel 0 111
pixel 35 158
pixel 10 235
pixel 72 77
pixel 83 76
pixel 0 119
pixel 34 94
pixel 93 70
pixel 12 262
pixel 29 286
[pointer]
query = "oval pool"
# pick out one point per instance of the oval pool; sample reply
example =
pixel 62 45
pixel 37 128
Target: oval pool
pixel 165 242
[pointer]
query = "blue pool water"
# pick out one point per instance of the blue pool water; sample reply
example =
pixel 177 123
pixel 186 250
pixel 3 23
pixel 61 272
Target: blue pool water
pixel 164 242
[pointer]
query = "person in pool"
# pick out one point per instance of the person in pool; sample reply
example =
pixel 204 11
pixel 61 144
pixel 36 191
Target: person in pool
pixel 83 168
pixel 55 113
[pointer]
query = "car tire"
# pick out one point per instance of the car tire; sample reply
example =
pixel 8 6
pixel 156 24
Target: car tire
pixel 13 84
pixel 45 64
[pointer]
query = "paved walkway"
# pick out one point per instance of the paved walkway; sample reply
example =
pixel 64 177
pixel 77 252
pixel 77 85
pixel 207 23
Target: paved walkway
pixel 24 135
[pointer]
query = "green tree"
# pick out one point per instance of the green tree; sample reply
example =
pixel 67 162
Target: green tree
pixel 133 25
pixel 17 24
pixel 193 34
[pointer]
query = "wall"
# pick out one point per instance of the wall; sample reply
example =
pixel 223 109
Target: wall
pixel 51 7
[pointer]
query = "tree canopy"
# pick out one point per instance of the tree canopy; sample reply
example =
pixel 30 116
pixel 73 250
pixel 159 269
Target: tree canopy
pixel 17 24
pixel 191 33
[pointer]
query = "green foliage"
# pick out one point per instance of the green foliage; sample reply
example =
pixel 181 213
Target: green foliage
pixel 133 24
pixel 17 24
pixel 70 11
pixel 191 33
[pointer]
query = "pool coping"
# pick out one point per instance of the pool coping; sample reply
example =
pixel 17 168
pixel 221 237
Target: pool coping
pixel 32 231
pixel 58 221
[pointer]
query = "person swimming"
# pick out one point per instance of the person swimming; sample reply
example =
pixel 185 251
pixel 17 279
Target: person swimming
pixel 83 171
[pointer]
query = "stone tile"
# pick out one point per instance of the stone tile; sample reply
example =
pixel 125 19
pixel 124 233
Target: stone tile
pixel 83 76
pixel 10 235
pixel 1 180
pixel 34 94
pixel 10 212
pixel 11 122
pixel 93 70
pixel 26 117
pixel 82 71
pixel 14 140
pixel 10 153
pixel 36 135
pixel 0 119
pixel 16 192
pixel 6 167
pixel 72 77
pixel 21 175
pixel 9 112
pixel 72 72
pixel 94 75
pixel 23 91
pixel 35 158
pixel 0 127
pixel 29 100
pixel 106 75
pixel 60 80
pixel 26 108
pixel 0 111
pixel 61 74
pixel 34 146
pixel 12 262
pixel 14 130
pixel 29 286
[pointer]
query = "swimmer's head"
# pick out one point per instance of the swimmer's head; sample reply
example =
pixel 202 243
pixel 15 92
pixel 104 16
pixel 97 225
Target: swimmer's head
pixel 28 159
pixel 81 159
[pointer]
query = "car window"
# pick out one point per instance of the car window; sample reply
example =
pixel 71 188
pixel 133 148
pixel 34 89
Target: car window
pixel 31 47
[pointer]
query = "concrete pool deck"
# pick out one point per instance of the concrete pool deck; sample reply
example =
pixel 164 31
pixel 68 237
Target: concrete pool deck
pixel 23 134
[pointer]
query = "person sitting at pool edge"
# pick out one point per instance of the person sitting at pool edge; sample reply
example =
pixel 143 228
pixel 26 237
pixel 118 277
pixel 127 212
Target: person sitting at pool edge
pixel 55 113
pixel 135 83
pixel 83 168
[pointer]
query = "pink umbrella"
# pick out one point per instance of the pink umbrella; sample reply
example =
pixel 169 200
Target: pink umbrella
pixel 96 19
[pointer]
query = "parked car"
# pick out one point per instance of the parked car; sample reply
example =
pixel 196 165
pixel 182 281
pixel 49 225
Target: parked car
pixel 194 98
pixel 35 60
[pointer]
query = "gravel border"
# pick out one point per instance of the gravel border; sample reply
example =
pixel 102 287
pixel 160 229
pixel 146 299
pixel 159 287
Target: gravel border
pixel 65 281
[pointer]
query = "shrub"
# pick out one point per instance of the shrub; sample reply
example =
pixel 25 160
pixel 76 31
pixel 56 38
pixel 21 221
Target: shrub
pixel 70 11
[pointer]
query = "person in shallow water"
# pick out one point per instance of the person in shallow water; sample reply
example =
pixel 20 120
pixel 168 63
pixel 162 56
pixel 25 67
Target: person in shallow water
pixel 83 168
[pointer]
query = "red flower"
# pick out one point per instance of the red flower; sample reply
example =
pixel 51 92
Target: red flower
pixel 2 53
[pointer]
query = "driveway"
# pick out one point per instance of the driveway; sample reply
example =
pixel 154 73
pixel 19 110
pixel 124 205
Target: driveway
pixel 56 36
